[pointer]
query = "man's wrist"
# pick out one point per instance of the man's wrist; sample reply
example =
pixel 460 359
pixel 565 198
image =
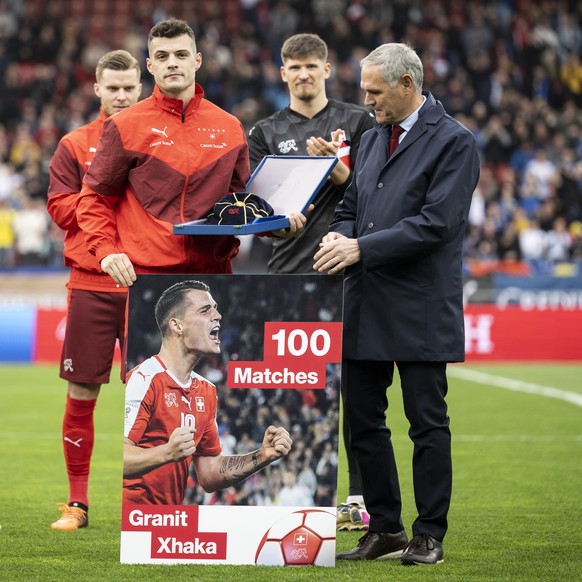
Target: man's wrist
pixel 260 459
pixel 344 176
pixel 104 251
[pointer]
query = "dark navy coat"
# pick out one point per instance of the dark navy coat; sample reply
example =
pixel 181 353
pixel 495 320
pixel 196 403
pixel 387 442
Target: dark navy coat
pixel 403 299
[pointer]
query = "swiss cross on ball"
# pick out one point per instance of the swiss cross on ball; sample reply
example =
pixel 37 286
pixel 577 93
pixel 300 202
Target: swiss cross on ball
pixel 239 208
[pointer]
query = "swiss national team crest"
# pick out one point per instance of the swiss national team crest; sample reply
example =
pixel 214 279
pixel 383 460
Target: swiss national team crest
pixel 288 145
pixel 200 404
pixel 171 400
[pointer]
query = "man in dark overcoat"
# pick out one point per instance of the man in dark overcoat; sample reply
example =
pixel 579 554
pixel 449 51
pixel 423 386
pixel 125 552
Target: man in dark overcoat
pixel 398 234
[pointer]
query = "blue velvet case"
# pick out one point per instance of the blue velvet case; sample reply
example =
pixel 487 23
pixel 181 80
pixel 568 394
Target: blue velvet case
pixel 287 183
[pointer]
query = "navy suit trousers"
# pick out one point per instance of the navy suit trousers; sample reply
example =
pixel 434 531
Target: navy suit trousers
pixel 424 387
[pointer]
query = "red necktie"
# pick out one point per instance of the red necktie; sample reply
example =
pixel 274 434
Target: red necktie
pixel 396 133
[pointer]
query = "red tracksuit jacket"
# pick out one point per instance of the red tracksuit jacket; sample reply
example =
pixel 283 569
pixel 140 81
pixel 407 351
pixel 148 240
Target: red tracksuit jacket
pixel 70 161
pixel 156 165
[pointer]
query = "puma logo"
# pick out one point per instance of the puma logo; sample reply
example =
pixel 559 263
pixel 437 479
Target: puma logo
pixel 160 131
pixel 76 443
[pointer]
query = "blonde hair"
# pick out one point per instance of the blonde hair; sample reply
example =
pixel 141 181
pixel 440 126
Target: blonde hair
pixel 119 60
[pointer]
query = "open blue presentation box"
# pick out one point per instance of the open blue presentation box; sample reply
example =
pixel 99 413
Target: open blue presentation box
pixel 287 183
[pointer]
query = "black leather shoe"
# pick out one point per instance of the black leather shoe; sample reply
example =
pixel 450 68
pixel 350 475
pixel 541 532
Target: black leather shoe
pixel 375 546
pixel 423 549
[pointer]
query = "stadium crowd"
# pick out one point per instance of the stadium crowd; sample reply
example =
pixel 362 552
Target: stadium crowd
pixel 511 71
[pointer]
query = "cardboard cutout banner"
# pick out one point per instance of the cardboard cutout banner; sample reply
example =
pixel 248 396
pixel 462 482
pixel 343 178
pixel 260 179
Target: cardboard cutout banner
pixel 268 351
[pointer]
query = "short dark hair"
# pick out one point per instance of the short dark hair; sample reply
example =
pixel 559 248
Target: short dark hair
pixel 301 46
pixel 171 28
pixel 171 302
pixel 119 60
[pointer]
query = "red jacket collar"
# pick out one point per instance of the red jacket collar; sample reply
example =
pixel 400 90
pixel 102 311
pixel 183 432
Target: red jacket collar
pixel 176 106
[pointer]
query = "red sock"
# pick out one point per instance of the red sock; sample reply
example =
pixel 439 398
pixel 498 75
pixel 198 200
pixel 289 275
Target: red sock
pixel 78 439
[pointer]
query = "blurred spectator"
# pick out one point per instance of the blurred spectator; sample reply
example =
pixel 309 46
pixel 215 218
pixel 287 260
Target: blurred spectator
pixel 541 174
pixel 508 197
pixel 477 36
pixel 31 226
pixel 496 141
pixel 576 240
pixel 24 147
pixel 245 445
pixel 7 236
pixel 294 492
pixel 487 244
pixel 570 188
pixel 508 248
pixel 10 181
pixel 557 242
pixel 521 155
pixel 532 241
pixel 546 213
pixel 477 209
pixel 471 242
pixel 308 478
pixel 529 195
pixel 571 76
pixel 326 472
pixel 227 442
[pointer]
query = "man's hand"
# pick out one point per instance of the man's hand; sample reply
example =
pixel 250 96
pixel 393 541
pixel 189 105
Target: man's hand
pixel 119 268
pixel 181 443
pixel 336 252
pixel 276 443
pixel 297 223
pixel 317 146
pixel 138 461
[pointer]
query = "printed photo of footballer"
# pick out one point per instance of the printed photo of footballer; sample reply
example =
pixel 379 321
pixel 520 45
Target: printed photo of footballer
pixel 191 440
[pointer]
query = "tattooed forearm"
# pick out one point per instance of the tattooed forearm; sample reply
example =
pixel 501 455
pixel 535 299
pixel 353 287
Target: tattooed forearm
pixel 237 468
pixel 232 463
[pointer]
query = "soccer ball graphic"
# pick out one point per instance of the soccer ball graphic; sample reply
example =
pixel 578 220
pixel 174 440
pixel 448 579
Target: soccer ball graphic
pixel 302 538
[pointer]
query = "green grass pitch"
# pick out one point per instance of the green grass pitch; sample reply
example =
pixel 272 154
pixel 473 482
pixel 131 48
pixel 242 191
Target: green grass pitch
pixel 517 499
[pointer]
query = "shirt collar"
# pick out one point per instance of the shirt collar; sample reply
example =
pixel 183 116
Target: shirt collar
pixel 407 124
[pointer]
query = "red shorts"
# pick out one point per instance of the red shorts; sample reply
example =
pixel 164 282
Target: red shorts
pixel 95 321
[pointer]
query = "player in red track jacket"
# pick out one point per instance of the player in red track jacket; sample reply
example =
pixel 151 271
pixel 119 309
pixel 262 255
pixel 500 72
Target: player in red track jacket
pixel 170 411
pixel 156 404
pixel 96 305
pixel 168 160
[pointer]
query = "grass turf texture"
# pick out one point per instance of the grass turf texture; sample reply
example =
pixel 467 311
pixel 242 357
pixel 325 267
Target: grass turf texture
pixel 516 510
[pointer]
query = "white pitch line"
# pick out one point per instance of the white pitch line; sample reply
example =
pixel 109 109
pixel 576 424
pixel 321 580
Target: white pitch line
pixel 522 438
pixel 516 385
